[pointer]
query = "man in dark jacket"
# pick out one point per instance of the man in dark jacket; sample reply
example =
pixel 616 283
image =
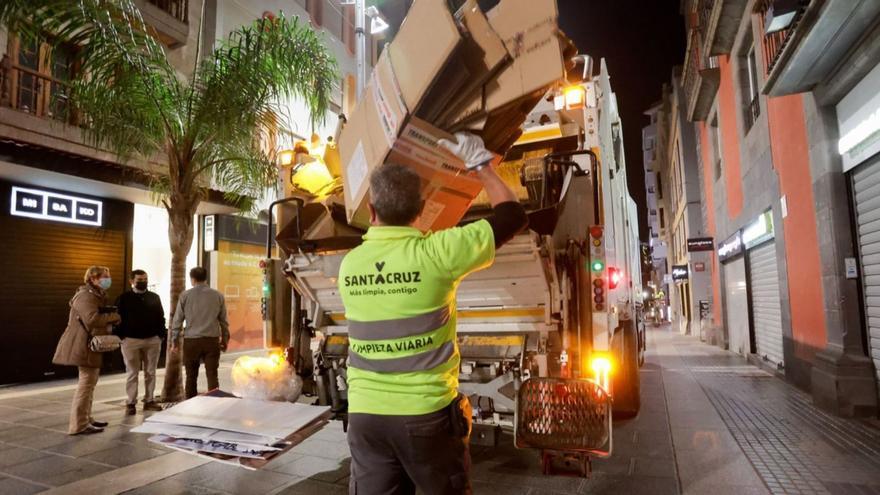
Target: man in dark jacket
pixel 142 330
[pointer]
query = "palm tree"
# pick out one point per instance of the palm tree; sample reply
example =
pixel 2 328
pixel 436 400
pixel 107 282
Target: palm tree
pixel 210 128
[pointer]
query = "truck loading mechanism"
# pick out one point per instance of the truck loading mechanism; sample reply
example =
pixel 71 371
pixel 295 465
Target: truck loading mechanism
pixel 551 335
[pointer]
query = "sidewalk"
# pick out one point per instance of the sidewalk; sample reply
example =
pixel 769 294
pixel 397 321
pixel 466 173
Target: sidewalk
pixel 710 423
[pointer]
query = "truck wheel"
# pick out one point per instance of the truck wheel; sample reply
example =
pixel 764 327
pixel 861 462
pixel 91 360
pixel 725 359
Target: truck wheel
pixel 626 389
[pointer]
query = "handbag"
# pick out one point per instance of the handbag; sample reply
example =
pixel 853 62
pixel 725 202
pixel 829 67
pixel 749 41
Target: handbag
pixel 101 343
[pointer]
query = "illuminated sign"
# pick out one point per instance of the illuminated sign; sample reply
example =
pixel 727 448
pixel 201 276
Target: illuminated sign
pixel 858 121
pixel 700 244
pixel 758 231
pixel 45 205
pixel 731 247
pixel 209 239
pixel 679 272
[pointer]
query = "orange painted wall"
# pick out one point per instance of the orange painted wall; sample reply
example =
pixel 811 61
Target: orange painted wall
pixel 727 111
pixel 790 151
pixel 709 198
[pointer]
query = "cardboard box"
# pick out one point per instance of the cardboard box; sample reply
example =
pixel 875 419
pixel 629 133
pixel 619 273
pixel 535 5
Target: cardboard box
pixel 516 49
pixel 530 33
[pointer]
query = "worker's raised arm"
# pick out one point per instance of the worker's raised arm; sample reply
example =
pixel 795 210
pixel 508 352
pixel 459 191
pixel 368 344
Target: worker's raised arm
pixel 508 216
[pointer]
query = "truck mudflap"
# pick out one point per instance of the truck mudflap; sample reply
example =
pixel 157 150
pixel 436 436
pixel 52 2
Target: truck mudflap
pixel 564 418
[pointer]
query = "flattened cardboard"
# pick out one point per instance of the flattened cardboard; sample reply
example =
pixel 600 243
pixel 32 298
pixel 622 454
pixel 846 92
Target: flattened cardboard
pixel 422 47
pixel 529 31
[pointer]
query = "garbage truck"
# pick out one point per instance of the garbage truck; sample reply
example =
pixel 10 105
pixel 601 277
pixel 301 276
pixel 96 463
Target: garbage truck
pixel 551 335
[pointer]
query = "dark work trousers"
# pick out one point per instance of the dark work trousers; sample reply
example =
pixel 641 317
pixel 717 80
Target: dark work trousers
pixel 393 455
pixel 195 350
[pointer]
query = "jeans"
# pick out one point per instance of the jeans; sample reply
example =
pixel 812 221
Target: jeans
pixel 194 351
pixel 81 409
pixel 139 353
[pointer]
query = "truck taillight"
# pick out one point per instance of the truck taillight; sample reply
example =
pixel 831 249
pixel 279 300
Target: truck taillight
pixel 614 277
pixel 597 266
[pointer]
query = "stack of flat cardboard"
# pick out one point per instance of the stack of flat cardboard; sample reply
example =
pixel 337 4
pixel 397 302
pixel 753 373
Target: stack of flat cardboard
pixel 446 72
pixel 248 433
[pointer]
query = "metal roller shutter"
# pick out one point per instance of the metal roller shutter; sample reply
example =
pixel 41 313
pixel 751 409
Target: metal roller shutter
pixel 866 190
pixel 43 264
pixel 766 306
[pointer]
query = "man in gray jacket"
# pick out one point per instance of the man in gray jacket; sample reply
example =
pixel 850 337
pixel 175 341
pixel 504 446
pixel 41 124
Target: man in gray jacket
pixel 207 331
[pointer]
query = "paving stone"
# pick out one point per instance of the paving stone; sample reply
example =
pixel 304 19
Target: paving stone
pixel 121 456
pixel 630 485
pixel 13 486
pixel 323 448
pixel 319 468
pixel 312 487
pixel 56 470
pixel 233 479
pixel 173 486
pixel 11 455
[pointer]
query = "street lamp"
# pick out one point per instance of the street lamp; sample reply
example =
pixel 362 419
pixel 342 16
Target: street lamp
pixel 377 25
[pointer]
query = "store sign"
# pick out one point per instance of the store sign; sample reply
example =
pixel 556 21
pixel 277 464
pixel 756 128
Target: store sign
pixel 858 118
pixel 700 244
pixel 731 247
pixel 45 205
pixel 758 231
pixel 679 273
pixel 209 235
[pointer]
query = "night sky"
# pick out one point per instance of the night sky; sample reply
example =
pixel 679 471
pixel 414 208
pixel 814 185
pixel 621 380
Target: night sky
pixel 641 41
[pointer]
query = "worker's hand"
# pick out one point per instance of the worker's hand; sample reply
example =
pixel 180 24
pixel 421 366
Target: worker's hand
pixel 175 347
pixel 470 149
pixel 223 346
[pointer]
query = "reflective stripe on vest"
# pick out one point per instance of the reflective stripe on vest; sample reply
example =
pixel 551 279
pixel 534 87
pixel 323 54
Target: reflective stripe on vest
pixel 416 362
pixel 398 329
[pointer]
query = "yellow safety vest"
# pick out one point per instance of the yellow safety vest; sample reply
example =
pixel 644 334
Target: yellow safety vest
pixel 398 288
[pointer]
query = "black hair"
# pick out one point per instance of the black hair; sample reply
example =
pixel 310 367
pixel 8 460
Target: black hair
pixel 199 274
pixel 395 193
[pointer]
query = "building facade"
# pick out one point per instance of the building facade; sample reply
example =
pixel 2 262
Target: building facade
pixel 688 253
pixel 784 99
pixel 657 285
pixel 67 205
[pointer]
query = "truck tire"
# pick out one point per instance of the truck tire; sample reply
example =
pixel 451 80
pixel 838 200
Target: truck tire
pixel 626 388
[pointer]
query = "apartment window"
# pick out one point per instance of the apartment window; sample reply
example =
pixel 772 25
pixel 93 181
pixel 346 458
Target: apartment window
pixel 716 146
pixel 662 219
pixel 348 34
pixel 659 187
pixel 751 99
pixel 315 8
pixel 39 77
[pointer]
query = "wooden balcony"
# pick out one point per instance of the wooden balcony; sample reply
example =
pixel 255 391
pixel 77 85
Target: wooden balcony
pixel 168 18
pixel 719 21
pixel 700 79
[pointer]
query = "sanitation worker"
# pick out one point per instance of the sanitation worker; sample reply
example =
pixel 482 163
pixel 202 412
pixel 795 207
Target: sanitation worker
pixel 408 425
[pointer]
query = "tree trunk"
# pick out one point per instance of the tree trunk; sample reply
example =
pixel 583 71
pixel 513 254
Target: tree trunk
pixel 180 237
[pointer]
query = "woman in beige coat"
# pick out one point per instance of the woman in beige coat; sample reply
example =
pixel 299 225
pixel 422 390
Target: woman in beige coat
pixel 85 321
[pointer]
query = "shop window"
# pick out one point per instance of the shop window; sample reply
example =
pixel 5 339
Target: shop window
pixel 662 219
pixel 40 76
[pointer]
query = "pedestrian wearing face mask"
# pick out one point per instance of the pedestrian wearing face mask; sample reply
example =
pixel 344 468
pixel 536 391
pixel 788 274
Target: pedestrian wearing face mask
pixel 142 330
pixel 89 316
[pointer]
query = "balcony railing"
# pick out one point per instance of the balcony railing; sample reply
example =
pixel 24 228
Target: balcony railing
pixel 35 93
pixel 178 9
pixel 752 113
pixel 700 78
pixel 774 43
